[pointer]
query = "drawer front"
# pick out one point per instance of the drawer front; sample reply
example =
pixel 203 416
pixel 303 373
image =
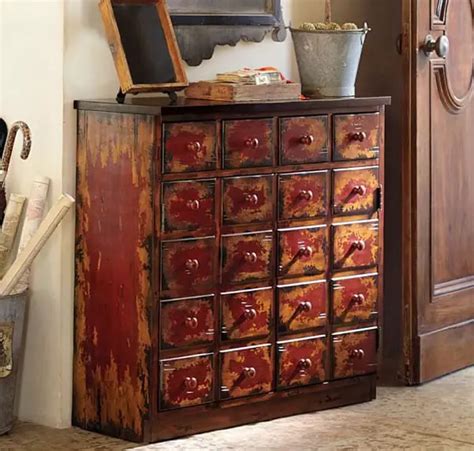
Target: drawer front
pixel 247 371
pixel 355 354
pixel 302 307
pixel 187 322
pixel 188 206
pixel 303 252
pixel 355 191
pixel 354 299
pixel 247 314
pixel 304 140
pixel 187 267
pixel 303 196
pixel 301 362
pixel 186 382
pixel 189 147
pixel 247 200
pixel 248 143
pixel 355 246
pixel 247 258
pixel 356 136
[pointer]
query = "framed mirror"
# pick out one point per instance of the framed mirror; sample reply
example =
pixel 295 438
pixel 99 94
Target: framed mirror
pixel 200 25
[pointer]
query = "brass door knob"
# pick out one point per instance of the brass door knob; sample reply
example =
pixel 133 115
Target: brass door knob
pixel 440 46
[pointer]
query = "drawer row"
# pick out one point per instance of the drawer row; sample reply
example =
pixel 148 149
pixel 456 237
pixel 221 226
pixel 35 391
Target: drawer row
pixel 249 314
pixel 194 146
pixel 191 205
pixel 190 381
pixel 188 266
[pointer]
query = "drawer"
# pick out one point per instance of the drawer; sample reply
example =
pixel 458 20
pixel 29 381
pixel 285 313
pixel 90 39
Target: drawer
pixel 186 381
pixel 246 371
pixel 189 147
pixel 188 206
pixel 187 267
pixel 248 143
pixel 247 257
pixel 247 314
pixel 356 245
pixel 355 191
pixel 355 353
pixel 301 362
pixel 303 196
pixel 356 136
pixel 302 307
pixel 187 322
pixel 303 252
pixel 247 200
pixel 354 299
pixel 304 140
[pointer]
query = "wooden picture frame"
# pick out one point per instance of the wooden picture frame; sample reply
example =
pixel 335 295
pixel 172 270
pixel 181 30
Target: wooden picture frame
pixel 144 46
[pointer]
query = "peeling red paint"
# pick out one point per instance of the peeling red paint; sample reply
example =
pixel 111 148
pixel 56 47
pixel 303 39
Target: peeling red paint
pixel 248 143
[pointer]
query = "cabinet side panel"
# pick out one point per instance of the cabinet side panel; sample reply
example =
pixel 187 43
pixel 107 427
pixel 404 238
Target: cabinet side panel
pixel 113 273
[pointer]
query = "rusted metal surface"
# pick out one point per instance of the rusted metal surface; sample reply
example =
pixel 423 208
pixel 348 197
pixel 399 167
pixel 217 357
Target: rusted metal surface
pixel 303 196
pixel 303 252
pixel 304 140
pixel 246 258
pixel 186 381
pixel 246 372
pixel 356 136
pixel 355 354
pixel 189 147
pixel 301 362
pixel 302 307
pixel 355 191
pixel 355 299
pixel 355 246
pixel 189 206
pixel 248 200
pixel 187 322
pixel 113 273
pixel 248 143
pixel 187 267
pixel 247 314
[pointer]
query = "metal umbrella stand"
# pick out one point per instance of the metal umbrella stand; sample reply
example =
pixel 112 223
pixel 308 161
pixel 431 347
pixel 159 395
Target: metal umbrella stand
pixel 12 320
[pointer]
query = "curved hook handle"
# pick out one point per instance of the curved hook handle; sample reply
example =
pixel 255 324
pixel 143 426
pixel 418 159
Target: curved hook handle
pixel 25 151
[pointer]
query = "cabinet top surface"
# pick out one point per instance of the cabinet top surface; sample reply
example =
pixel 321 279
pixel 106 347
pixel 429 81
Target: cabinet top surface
pixel 163 106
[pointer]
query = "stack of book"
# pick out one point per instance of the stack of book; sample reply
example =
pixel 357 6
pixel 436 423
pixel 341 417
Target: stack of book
pixel 245 85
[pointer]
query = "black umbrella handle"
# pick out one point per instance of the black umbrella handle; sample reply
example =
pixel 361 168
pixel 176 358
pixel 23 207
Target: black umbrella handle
pixel 3 135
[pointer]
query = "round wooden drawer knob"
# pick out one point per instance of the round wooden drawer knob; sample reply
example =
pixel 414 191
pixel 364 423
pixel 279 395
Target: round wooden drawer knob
pixel 192 322
pixel 358 299
pixel 192 265
pixel 250 257
pixel 250 372
pixel 306 195
pixel 304 364
pixel 306 306
pixel 193 204
pixel 194 146
pixel 358 136
pixel 251 199
pixel 360 190
pixel 250 313
pixel 307 140
pixel 190 383
pixel 253 143
pixel 306 251
pixel 358 245
pixel 357 354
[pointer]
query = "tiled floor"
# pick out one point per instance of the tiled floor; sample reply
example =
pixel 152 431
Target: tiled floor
pixel 436 416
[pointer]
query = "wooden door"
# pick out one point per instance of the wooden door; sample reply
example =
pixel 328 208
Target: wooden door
pixel 438 181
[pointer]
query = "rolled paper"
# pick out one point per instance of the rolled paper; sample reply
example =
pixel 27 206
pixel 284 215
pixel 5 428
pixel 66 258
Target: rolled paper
pixel 34 215
pixel 9 228
pixel 9 283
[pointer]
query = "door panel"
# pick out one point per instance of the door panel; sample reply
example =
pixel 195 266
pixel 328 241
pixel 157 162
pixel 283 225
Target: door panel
pixel 443 226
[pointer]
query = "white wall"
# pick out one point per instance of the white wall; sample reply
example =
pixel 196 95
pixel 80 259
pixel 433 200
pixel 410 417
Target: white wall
pixel 52 52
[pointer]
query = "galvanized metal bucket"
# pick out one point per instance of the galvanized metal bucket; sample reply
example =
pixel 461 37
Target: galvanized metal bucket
pixel 328 61
pixel 12 316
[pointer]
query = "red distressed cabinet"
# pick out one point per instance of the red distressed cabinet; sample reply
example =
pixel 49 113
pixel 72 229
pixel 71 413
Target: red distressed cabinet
pixel 229 262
